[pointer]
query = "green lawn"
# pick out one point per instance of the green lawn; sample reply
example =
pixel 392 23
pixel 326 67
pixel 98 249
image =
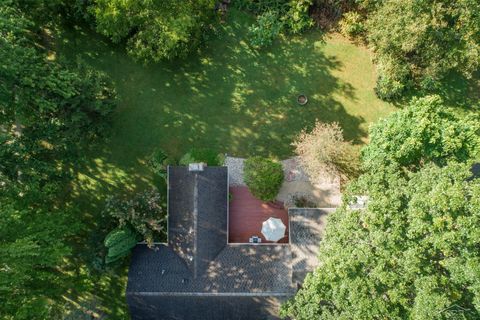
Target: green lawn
pixel 228 97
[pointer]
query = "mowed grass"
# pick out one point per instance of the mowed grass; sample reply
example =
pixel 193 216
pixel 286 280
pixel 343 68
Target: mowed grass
pixel 228 97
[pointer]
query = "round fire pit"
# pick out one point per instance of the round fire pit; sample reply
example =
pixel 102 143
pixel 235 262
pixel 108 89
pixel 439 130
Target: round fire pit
pixel 302 99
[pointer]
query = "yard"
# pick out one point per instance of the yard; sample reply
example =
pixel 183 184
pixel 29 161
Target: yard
pixel 229 97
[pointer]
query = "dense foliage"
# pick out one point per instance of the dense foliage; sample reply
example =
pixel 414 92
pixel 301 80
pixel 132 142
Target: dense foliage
pixel 49 112
pixel 119 243
pixel 323 151
pixel 412 253
pixel 32 252
pixel 425 131
pixel 263 177
pixel 143 213
pixel 155 30
pixel 275 16
pixel 352 25
pixel 417 43
pixel 208 156
pixel 266 30
pixel 420 42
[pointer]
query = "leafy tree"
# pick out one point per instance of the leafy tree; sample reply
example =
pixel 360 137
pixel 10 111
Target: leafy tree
pixel 352 25
pixel 48 113
pixel 324 151
pixel 297 19
pixel 263 177
pixel 418 43
pixel 275 16
pixel 155 30
pixel 33 246
pixel 412 253
pixel 425 131
pixel 143 213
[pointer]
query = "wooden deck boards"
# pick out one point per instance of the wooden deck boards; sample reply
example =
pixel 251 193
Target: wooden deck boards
pixel 246 215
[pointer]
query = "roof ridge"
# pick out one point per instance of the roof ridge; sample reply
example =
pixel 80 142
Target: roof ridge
pixel 195 224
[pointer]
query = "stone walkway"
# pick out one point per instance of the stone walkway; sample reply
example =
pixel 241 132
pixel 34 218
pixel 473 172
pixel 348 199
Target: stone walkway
pixel 325 192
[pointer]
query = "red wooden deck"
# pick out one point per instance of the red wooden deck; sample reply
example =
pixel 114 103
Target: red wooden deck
pixel 246 215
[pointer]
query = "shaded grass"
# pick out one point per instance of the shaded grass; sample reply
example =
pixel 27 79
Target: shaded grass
pixel 227 97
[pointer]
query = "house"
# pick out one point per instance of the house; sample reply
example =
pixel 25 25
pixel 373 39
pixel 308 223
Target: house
pixel 199 275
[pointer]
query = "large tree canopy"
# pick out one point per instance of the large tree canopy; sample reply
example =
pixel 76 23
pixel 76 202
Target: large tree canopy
pixel 48 112
pixel 154 30
pixel 420 42
pixel 417 43
pixel 412 253
pixel 32 251
pixel 422 132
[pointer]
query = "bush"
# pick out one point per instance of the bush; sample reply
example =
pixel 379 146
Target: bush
pixel 158 162
pixel 144 214
pixel 393 78
pixel 263 177
pixel 430 43
pixel 207 156
pixel 119 243
pixel 267 29
pixel 352 25
pixel 261 6
pixel 324 151
pixel 297 18
pixel 155 30
pixel 388 88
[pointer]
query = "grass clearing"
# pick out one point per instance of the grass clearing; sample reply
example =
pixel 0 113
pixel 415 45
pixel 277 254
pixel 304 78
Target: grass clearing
pixel 229 97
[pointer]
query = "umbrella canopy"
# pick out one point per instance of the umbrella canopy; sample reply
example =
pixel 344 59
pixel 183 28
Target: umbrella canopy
pixel 273 229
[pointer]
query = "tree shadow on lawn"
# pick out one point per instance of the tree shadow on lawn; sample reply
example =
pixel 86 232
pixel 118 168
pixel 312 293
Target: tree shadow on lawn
pixel 228 97
pixel 97 290
pixel 456 91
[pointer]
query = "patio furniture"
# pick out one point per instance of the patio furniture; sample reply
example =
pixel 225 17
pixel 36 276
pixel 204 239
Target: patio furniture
pixel 255 239
pixel 273 229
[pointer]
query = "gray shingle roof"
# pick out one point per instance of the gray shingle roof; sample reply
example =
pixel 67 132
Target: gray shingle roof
pixel 197 214
pixel 202 307
pixel 307 228
pixel 197 275
pixel 237 269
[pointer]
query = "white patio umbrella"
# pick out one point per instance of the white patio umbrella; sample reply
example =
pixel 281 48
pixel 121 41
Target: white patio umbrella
pixel 273 229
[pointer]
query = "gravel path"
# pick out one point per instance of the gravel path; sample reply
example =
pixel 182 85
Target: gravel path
pixel 235 170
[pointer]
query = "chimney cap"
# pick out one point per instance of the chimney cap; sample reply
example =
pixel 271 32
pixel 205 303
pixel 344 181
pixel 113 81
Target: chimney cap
pixel 196 166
